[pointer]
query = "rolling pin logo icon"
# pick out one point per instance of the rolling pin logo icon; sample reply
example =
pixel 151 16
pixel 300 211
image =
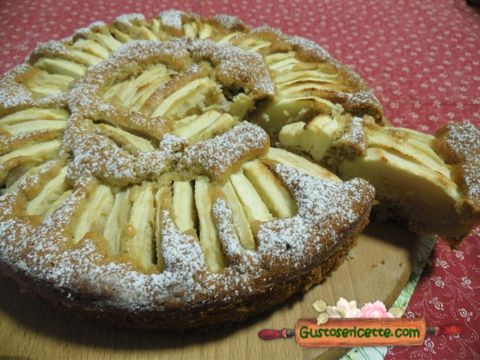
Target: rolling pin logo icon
pixel 272 334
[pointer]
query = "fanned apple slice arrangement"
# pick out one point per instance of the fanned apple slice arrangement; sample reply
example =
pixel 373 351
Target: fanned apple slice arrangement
pixel 172 172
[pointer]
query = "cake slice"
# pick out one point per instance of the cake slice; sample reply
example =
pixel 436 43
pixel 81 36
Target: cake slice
pixel 416 178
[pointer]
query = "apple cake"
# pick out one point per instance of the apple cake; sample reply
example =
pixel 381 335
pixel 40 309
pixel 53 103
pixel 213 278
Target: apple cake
pixel 171 173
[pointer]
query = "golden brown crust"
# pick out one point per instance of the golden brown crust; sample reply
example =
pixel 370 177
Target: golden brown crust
pixel 207 316
pixel 242 143
pixel 79 275
pixel 9 143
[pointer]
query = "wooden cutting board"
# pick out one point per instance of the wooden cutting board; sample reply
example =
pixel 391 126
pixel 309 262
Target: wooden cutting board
pixel 377 269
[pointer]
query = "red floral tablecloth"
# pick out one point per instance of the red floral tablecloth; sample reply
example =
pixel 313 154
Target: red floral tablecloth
pixel 422 58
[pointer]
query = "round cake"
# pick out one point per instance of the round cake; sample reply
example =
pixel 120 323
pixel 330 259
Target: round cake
pixel 179 172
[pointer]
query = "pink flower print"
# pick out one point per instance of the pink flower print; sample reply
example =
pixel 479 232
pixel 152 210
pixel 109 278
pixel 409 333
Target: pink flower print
pixel 459 254
pixel 437 304
pixel 441 263
pixel 438 281
pixel 465 314
pixel 374 310
pixel 466 282
pixel 429 346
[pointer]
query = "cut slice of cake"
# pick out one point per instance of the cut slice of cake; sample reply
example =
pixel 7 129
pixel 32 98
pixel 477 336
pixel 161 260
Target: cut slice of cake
pixel 416 177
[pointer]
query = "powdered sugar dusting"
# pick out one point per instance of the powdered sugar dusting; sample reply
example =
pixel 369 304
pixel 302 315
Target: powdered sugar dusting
pixel 236 255
pixel 229 22
pixel 219 156
pixel 9 143
pixel 471 179
pixel 88 29
pixel 310 47
pixel 362 100
pixel 353 138
pixel 461 139
pixel 85 97
pixel 459 145
pixel 96 155
pixel 172 18
pixel 237 67
pixel 13 94
pixel 181 252
pixel 268 30
pixel 128 18
pixel 53 47
pixel 326 209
